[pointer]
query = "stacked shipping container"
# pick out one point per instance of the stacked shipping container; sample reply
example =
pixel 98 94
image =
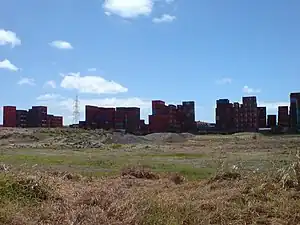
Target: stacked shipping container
pixel 159 108
pixel 35 117
pixel 283 116
pixel 261 117
pixel 105 118
pixel 294 110
pixel 240 117
pixel 271 121
pixel 144 128
pixel 250 122
pixel 54 121
pixel 225 115
pixel 9 116
pixel 189 124
pixel 121 118
pixel 237 117
pixel 90 116
pixel 172 112
pixel 172 118
pixel 298 113
pixel 127 118
pixel 22 116
pixel 158 123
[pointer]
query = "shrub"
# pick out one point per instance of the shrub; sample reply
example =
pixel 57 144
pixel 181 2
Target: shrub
pixel 139 172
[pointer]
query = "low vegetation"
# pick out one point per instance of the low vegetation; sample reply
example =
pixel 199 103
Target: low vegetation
pixel 140 196
pixel 234 179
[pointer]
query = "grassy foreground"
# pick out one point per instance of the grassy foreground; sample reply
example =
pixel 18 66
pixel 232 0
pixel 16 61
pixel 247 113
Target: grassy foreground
pixel 234 179
pixel 139 196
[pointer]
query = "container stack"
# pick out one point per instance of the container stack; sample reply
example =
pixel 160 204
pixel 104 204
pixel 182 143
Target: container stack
pixel 159 108
pixel 120 118
pixel 105 118
pixel 90 116
pixel 180 118
pixel 261 117
pixel 22 116
pixel 172 112
pixel 189 116
pixel 250 113
pixel 37 116
pixel 271 121
pixel 54 121
pixel 225 115
pixel 132 119
pixel 283 116
pixel 294 105
pixel 158 123
pixel 9 116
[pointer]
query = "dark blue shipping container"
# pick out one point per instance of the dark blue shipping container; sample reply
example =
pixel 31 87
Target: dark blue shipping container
pixel 298 117
pixel 222 101
pixel 293 100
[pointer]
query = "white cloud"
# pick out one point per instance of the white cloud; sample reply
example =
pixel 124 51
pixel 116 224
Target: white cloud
pixel 64 106
pixel 249 90
pixel 47 97
pixel 61 44
pixel 8 37
pixel 92 69
pixel 91 84
pixel 165 18
pixel 26 80
pixel 128 8
pixel 225 80
pixel 6 64
pixel 50 83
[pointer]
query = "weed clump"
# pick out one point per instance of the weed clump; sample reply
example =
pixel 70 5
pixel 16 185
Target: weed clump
pixel 23 190
pixel 139 172
pixel 226 176
pixel 177 178
pixel 70 176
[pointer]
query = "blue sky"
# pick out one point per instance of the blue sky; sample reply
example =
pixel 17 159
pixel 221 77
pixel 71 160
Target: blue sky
pixel 127 52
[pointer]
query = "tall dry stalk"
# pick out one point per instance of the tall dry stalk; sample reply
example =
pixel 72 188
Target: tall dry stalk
pixel 297 169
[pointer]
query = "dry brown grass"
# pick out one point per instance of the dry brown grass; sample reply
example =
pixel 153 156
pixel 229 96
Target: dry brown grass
pixel 251 199
pixel 141 172
pixel 177 178
pixel 236 194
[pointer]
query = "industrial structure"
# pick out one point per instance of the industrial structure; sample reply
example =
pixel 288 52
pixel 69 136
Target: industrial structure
pixel 164 118
pixel 246 116
pixel 35 117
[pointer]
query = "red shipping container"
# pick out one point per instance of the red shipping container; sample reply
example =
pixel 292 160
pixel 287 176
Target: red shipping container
pixel 90 114
pixel 9 116
pixel 157 102
pixel 158 123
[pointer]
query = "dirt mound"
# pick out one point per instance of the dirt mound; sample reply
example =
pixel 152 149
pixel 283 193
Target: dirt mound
pixel 18 137
pixel 166 137
pixel 188 135
pixel 119 138
pixel 77 138
pixel 247 135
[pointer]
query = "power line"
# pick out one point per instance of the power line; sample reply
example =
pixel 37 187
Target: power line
pixel 76 113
